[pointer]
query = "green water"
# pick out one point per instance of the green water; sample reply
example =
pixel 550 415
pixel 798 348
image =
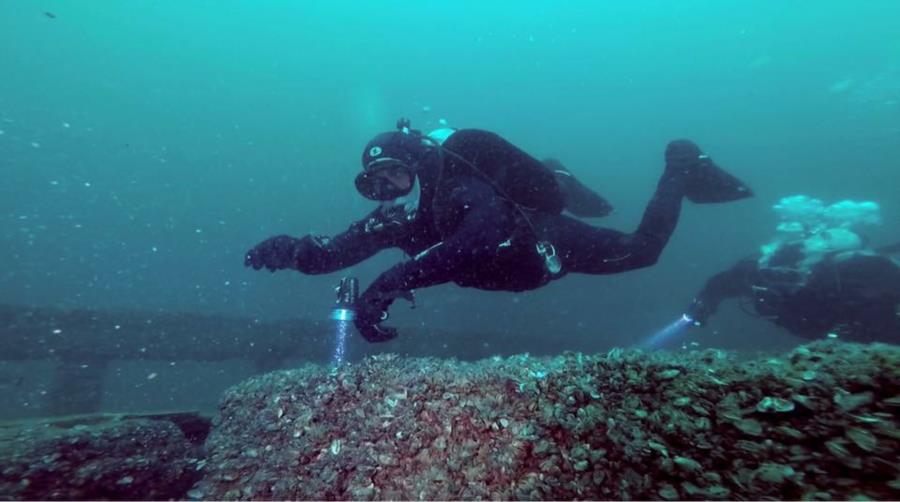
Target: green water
pixel 147 144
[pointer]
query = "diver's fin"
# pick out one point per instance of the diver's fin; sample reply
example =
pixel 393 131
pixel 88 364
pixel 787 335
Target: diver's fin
pixel 579 199
pixel 705 182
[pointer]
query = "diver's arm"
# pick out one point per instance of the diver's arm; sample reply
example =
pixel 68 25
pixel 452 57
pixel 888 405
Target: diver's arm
pixel 484 226
pixel 731 283
pixel 362 240
pixel 318 254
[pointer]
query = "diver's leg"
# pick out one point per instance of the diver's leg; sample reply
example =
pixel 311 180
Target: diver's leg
pixel 689 173
pixel 590 250
pixel 579 199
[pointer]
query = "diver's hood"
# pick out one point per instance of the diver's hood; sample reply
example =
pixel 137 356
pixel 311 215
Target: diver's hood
pixel 396 151
pixel 409 151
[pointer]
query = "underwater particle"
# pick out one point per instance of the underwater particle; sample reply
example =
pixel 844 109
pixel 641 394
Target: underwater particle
pixel 774 474
pixel 2 132
pixel 749 426
pixel 849 402
pixel 832 335
pixel 387 459
pixel 760 61
pixel 668 374
pixel 716 380
pixel 703 424
pixel 790 432
pixel 808 375
pixel 774 405
pixel 682 401
pixel 426 109
pixel 837 449
pixel 809 403
pixel 57 331
pixel 840 86
pixel 687 464
pixel 335 447
pixel 868 419
pixel 579 452
pixel 35 144
pixel 659 448
pixel 862 438
pixel 691 489
pixel 66 125
pixel 363 493
pixel 151 376
pixel 538 374
pixel 668 492
pixel 717 492
pixel 442 122
pixel 127 480
pixel 195 494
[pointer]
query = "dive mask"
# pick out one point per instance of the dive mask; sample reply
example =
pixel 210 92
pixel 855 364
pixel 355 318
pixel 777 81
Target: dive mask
pixel 385 178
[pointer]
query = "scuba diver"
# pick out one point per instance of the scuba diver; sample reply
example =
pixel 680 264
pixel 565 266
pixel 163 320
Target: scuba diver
pixel 818 277
pixel 469 207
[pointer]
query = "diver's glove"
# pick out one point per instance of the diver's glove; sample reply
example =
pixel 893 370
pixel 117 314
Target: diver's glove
pixel 286 252
pixel 372 309
pixel 275 253
pixel 698 312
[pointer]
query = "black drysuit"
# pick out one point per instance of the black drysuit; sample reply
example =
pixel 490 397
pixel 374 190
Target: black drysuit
pixel 466 232
pixel 856 295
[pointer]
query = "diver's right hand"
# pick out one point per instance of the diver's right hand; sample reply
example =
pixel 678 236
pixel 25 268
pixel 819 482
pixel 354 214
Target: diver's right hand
pixel 698 312
pixel 275 253
pixel 375 333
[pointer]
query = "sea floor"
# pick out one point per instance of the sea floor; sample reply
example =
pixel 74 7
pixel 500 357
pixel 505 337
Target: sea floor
pixel 818 422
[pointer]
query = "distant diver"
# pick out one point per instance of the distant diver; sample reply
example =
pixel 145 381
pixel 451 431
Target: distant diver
pixel 469 207
pixel 818 277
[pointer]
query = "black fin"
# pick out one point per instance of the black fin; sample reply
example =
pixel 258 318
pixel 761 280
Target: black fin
pixel 579 199
pixel 705 182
